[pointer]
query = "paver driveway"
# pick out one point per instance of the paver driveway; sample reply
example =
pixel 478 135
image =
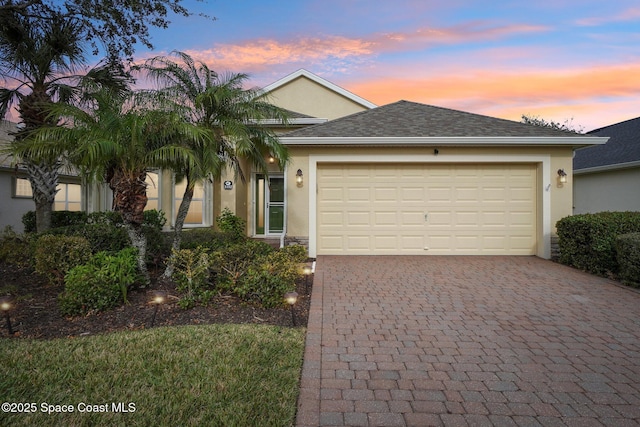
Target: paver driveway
pixel 430 341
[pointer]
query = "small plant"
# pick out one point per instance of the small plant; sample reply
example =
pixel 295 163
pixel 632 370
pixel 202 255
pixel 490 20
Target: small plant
pixel 229 223
pixel 56 255
pixel 100 284
pixel 191 273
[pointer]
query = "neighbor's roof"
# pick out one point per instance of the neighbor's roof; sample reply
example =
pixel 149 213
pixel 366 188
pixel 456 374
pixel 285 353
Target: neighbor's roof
pixel 406 119
pixel 622 150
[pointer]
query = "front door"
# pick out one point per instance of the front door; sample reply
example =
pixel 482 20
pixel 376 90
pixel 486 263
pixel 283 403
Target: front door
pixel 269 204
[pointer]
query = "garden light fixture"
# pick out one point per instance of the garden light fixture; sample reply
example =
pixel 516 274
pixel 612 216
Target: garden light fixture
pixel 306 270
pixel 291 298
pixel 6 304
pixel 157 298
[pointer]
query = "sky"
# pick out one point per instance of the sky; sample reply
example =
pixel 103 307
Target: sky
pixel 573 61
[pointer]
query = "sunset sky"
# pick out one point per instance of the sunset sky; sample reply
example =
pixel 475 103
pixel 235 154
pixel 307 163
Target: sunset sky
pixel 557 59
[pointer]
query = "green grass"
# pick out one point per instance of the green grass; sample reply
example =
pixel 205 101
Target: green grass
pixel 213 375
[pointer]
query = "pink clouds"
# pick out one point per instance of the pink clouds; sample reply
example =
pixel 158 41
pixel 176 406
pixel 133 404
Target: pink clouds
pixel 259 54
pixel 511 94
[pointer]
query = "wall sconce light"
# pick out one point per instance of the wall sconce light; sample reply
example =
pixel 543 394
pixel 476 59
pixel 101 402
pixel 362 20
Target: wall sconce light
pixel 299 178
pixel 6 304
pixel 157 298
pixel 562 175
pixel 291 298
pixel 272 159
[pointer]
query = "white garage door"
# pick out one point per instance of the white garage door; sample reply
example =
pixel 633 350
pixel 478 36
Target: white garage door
pixel 441 209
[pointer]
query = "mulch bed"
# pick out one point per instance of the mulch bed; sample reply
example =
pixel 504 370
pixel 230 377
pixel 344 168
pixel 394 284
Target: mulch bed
pixel 36 313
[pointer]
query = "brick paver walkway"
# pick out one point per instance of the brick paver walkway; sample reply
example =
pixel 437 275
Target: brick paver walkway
pixel 478 341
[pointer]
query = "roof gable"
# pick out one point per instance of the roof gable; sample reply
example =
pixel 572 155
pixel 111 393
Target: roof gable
pixel 313 96
pixel 623 147
pixel 404 119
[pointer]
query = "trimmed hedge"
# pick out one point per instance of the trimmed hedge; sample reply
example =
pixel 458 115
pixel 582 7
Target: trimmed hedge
pixel 628 250
pixel 58 219
pixel 588 241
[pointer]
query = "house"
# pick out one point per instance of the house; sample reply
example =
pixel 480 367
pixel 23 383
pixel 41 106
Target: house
pixel 404 178
pixel 607 177
pixel 16 197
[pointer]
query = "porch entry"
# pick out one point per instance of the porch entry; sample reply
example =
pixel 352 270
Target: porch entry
pixel 269 204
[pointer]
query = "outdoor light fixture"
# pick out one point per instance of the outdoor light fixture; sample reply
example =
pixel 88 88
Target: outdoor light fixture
pixel 157 298
pixel 306 270
pixel 291 298
pixel 272 159
pixel 6 304
pixel 562 175
pixel 299 177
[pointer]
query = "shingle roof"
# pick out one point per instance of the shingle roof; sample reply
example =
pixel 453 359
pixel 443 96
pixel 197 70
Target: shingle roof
pixel 623 146
pixel 410 119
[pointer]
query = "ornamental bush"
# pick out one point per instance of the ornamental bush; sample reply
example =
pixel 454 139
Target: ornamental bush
pixel 588 241
pixel 100 284
pixel 58 219
pixel 191 273
pixel 229 223
pixel 628 253
pixel 56 255
pixel 267 280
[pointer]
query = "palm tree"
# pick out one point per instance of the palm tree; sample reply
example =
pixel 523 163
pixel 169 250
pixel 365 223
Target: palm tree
pixel 37 58
pixel 118 140
pixel 234 115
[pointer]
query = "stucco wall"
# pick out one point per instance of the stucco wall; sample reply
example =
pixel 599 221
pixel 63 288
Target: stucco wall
pixel 308 97
pixel 617 190
pixel 12 209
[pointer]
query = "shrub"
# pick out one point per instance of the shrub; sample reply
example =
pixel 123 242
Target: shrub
pixel 105 217
pixel 231 263
pixel 58 219
pixel 587 241
pixel 206 238
pixel 16 249
pixel 191 273
pixel 269 279
pixel 229 223
pixel 297 253
pixel 100 284
pixel 154 218
pixel 56 255
pixel 628 252
pixel 102 236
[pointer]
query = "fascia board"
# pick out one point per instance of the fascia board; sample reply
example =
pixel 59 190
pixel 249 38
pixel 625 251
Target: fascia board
pixel 446 141
pixel 606 168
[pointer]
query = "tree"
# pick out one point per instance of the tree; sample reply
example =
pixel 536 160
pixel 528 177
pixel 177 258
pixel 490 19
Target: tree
pixel 117 141
pixel 234 114
pixel 38 59
pixel 118 25
pixel 567 126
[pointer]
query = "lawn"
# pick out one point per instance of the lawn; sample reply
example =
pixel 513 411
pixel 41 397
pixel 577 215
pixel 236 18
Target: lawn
pixel 213 375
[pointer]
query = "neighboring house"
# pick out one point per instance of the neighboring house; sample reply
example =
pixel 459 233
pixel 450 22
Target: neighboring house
pixel 607 177
pixel 16 197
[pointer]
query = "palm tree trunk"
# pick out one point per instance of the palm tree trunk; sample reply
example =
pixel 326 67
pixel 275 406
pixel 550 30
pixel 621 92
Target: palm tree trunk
pixel 130 198
pixel 44 182
pixel 177 230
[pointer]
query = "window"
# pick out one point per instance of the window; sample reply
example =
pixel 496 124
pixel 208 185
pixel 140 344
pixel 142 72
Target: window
pixel 67 197
pixel 197 209
pixel 153 191
pixel 22 188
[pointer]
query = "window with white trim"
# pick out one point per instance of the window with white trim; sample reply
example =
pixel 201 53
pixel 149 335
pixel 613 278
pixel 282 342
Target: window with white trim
pixel 153 191
pixel 68 197
pixel 197 214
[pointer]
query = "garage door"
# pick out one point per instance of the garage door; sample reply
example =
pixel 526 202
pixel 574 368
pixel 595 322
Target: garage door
pixel 442 209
